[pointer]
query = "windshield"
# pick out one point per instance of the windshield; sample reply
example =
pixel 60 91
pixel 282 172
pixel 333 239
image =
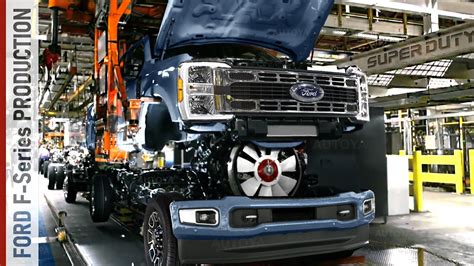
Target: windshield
pixel 225 51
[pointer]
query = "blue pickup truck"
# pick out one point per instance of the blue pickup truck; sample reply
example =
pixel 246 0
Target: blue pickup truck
pixel 216 150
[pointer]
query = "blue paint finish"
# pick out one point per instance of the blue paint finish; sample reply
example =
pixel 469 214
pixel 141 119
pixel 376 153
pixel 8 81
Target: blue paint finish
pixel 289 26
pixel 226 205
pixel 159 80
pixel 45 255
pixel 146 51
pixel 90 128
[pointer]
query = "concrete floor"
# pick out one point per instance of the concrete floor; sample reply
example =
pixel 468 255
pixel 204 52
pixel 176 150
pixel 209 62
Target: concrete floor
pixel 50 251
pixel 443 235
pixel 445 229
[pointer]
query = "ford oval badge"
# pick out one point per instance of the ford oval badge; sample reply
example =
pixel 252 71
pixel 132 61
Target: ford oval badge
pixel 307 92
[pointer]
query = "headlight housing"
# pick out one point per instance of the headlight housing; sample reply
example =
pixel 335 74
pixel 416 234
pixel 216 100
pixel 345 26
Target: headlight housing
pixel 364 114
pixel 196 99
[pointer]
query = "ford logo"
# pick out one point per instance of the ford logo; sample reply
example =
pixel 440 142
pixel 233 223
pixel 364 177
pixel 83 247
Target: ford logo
pixel 307 92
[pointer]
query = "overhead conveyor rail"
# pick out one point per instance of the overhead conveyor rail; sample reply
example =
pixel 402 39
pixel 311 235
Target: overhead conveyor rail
pixel 447 43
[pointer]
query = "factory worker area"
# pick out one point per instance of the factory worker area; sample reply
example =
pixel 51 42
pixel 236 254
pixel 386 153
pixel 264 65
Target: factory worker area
pixel 254 132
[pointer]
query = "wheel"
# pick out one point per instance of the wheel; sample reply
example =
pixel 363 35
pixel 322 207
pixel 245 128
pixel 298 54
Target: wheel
pixel 260 172
pixel 60 176
pixel 51 177
pixel 45 169
pixel 101 202
pixel 159 243
pixel 70 193
pixel 40 167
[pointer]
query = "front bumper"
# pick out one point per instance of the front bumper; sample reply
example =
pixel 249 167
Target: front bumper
pixel 226 244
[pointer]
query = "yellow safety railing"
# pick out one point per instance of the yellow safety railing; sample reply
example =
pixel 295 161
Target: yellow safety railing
pixel 410 163
pixel 418 176
pixel 471 169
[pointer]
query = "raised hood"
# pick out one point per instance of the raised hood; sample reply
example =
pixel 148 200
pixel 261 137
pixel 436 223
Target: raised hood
pixel 288 26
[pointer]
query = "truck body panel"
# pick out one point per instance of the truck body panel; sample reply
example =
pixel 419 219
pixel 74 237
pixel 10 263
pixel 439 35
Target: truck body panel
pixel 290 27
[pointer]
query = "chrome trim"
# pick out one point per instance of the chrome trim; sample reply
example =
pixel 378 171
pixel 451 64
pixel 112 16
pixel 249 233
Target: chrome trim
pixel 188 216
pixel 278 102
pixel 372 205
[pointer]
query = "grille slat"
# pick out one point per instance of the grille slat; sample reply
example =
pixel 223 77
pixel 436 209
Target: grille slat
pixel 270 91
pixel 278 91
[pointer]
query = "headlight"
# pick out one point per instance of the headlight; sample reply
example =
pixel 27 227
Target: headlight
pixel 201 104
pixel 364 100
pixel 196 100
pixel 363 94
pixel 200 74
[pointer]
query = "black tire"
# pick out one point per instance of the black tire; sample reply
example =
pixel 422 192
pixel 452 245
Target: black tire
pixel 60 176
pixel 70 193
pixel 51 177
pixel 45 169
pixel 157 229
pixel 101 202
pixel 40 167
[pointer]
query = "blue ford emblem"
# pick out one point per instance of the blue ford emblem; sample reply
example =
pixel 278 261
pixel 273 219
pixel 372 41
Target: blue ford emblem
pixel 307 92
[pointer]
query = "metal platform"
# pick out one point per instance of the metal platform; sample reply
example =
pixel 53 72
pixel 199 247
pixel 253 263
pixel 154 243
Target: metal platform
pixel 112 244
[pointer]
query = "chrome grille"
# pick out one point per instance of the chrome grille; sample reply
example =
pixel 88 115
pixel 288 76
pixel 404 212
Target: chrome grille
pixel 298 78
pixel 291 106
pixel 269 91
pixel 281 91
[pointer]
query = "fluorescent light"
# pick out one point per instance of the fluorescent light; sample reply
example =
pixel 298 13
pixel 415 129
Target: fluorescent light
pixel 378 37
pixel 339 32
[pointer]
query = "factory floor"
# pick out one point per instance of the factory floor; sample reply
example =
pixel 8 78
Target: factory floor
pixel 443 235
pixel 445 229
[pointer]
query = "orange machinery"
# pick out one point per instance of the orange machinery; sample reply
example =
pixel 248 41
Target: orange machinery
pixel 111 99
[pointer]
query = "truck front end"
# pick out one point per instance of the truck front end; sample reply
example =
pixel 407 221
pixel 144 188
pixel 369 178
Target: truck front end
pixel 251 126
pixel 235 99
pixel 239 229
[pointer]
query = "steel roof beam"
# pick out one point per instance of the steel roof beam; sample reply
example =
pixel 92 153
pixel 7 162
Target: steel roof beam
pixel 422 8
pixel 381 27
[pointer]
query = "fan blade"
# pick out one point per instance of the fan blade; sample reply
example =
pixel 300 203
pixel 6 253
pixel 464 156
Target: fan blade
pixel 244 166
pixel 278 191
pixel 287 183
pixel 265 191
pixel 250 186
pixel 251 152
pixel 274 154
pixel 289 164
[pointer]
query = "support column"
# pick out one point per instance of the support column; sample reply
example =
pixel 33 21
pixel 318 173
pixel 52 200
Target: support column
pixel 417 182
pixel 431 20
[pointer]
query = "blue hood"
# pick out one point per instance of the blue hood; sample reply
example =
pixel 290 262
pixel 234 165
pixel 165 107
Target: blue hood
pixel 288 26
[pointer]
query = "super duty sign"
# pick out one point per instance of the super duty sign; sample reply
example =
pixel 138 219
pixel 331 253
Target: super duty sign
pixel 435 46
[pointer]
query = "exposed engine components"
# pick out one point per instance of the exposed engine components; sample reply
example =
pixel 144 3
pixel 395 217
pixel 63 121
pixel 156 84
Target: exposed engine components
pixel 264 172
